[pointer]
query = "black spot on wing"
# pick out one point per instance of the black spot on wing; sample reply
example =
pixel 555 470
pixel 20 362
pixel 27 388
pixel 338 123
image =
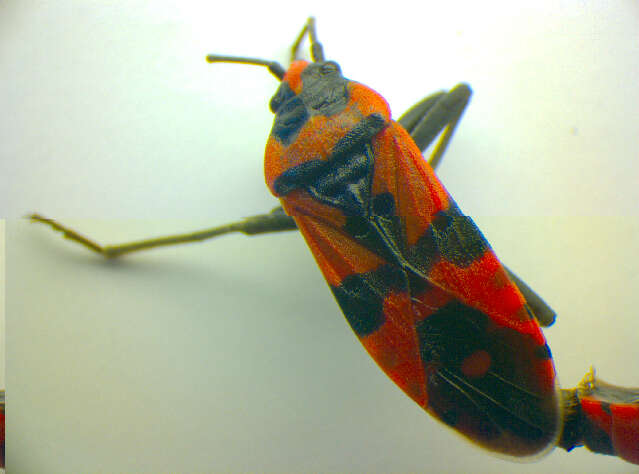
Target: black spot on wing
pixel 506 397
pixel 457 237
pixel 361 305
pixel 361 297
pixel 425 253
pixel 451 334
pixel 418 285
pixel 458 409
pixel 383 205
pixel 451 236
pixel 362 231
pixel 450 416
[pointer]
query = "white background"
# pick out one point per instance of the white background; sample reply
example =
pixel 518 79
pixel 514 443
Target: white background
pixel 232 355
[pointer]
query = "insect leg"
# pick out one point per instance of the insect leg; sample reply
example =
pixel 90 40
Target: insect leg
pixel 543 313
pixel 434 114
pixel 274 221
pixel 412 116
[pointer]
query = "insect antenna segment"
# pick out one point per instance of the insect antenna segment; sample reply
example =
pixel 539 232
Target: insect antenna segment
pixel 274 67
pixel 317 53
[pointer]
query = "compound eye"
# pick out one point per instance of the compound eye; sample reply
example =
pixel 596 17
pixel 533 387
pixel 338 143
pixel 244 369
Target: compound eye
pixel 329 67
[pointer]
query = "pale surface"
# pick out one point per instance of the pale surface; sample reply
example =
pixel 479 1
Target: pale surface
pixel 233 356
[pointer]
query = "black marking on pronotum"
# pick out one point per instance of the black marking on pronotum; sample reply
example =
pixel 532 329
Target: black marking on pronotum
pixel 282 94
pixel 361 134
pixel 324 89
pixel 343 180
pixel 454 332
pixel 324 92
pixel 299 176
pixel 290 118
pixel 346 183
pixel 361 297
pixel 343 184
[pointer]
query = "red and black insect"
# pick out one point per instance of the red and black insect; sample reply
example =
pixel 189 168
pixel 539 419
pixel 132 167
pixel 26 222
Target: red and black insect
pixel 417 281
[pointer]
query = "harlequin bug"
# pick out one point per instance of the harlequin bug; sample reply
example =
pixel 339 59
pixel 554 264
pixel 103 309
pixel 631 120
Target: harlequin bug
pixel 417 281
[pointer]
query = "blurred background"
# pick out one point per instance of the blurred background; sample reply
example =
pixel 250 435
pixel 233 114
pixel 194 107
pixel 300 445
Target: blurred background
pixel 232 355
